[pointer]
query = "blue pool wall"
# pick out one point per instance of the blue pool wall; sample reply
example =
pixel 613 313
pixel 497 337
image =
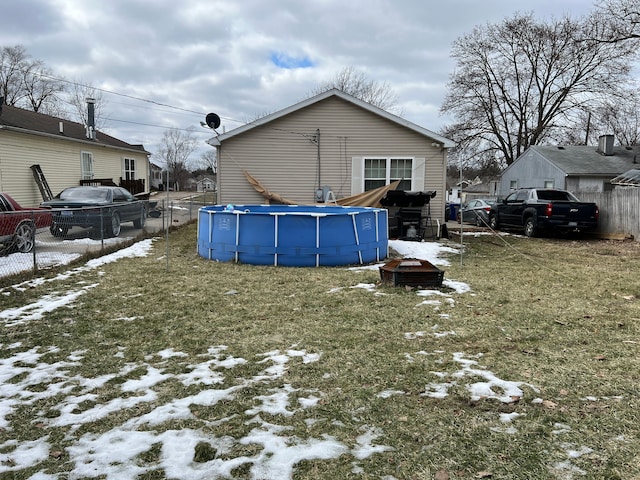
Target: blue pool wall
pixel 293 235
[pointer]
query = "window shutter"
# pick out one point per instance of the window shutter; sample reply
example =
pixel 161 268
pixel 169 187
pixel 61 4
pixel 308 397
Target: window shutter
pixel 357 175
pixel 417 175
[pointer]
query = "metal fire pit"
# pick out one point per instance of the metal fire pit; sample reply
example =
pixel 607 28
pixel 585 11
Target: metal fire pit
pixel 412 272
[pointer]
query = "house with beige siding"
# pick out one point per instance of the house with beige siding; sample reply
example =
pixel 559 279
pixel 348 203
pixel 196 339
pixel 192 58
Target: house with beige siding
pixel 68 153
pixel 330 142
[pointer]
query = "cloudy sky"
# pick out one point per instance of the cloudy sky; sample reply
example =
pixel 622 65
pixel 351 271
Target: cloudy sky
pixel 169 63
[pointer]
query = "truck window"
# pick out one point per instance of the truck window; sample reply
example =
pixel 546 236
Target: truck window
pixel 522 195
pixel 511 198
pixel 557 195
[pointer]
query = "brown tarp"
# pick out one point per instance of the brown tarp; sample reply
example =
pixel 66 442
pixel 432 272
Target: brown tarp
pixel 366 199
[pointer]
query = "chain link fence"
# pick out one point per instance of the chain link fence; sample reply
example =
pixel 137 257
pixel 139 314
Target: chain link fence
pixel 35 240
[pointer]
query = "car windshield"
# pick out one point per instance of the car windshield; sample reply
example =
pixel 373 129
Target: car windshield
pixel 80 194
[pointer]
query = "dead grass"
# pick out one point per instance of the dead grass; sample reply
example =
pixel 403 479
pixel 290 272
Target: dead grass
pixel 562 316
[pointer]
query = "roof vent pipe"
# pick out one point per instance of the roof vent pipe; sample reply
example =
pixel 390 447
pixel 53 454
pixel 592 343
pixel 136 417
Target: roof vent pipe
pixel 91 121
pixel 61 128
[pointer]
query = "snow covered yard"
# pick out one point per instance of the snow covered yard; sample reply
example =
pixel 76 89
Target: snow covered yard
pixel 94 386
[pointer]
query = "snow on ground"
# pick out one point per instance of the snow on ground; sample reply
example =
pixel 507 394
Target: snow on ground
pixel 430 251
pixel 52 254
pixel 26 377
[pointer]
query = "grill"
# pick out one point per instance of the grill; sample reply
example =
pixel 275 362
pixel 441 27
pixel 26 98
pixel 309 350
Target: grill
pixel 412 272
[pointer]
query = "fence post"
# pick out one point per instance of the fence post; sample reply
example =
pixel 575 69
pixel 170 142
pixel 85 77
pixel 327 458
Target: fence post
pixel 170 206
pixel 33 239
pixel 101 228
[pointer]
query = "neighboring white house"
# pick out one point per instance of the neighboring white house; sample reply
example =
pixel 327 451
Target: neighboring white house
pixel 331 141
pixel 67 152
pixel 575 168
pixel 205 185
pixel 156 177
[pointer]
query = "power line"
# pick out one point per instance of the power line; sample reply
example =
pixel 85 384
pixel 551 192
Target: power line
pixel 140 99
pixel 124 95
pixel 158 126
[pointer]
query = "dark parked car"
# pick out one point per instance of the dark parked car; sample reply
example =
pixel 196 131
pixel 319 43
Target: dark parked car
pixel 477 211
pixel 102 208
pixel 18 224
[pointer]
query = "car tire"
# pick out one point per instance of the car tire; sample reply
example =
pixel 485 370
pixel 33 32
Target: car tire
pixel 494 224
pixel 479 222
pixel 113 225
pixel 58 230
pixel 530 227
pixel 139 222
pixel 24 237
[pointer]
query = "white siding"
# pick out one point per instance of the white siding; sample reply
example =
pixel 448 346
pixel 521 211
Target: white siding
pixel 60 161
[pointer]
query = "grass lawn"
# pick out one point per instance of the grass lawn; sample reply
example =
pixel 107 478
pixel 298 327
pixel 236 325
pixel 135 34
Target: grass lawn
pixel 214 370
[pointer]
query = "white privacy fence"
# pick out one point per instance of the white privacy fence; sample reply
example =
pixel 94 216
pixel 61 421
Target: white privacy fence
pixel 619 210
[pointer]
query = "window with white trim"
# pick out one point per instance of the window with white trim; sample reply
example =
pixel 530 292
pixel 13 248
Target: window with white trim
pixel 549 184
pixel 129 169
pixel 372 172
pixel 379 172
pixel 86 165
pixel 513 184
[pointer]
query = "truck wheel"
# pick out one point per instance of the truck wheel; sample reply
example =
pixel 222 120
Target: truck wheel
pixel 493 222
pixel 530 227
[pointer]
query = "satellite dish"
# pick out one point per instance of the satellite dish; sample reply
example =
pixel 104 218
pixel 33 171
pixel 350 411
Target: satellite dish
pixel 212 120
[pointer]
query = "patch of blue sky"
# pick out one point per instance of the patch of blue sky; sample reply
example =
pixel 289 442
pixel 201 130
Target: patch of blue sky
pixel 282 60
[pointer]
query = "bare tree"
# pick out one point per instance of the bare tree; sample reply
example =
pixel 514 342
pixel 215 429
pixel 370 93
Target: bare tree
pixel 210 161
pixel 41 89
pixel 623 120
pixel 623 19
pixel 28 83
pixel 175 148
pixel 355 83
pixel 519 83
pixel 78 94
pixel 12 60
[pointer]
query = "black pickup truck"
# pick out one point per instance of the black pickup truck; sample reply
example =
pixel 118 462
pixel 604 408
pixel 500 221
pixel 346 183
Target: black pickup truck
pixel 541 209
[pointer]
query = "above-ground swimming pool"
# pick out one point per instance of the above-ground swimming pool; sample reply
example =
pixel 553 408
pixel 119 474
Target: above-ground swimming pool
pixel 293 235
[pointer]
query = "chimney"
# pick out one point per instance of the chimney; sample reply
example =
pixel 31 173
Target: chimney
pixel 605 144
pixel 91 121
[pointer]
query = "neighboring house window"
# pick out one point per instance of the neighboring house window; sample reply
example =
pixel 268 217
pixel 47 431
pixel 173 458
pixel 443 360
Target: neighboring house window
pixel 369 173
pixel 87 165
pixel 548 184
pixel 129 169
pixel 513 184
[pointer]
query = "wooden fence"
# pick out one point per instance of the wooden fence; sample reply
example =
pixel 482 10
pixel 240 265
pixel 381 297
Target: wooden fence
pixel 619 210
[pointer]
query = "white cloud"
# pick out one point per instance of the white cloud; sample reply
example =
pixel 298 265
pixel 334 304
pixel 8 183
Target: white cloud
pixel 214 55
